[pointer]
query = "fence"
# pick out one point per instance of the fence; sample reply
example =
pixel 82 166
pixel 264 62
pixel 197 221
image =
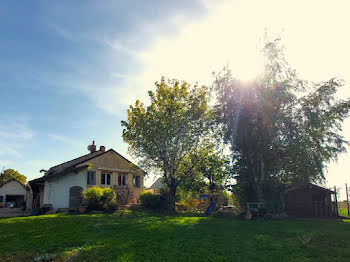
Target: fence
pixel 342 193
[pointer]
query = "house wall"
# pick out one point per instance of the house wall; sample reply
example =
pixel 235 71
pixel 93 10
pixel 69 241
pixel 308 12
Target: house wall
pixel 115 164
pixel 12 188
pixel 56 190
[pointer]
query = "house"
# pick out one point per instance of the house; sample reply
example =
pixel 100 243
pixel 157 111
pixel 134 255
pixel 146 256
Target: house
pixel 13 191
pixel 61 187
pixel 309 200
pixel 156 186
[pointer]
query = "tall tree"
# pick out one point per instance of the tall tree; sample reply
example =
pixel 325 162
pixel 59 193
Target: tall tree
pixel 165 132
pixel 204 164
pixel 281 129
pixel 8 174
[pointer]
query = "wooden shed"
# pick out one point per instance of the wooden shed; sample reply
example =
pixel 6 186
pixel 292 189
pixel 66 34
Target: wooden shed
pixel 309 200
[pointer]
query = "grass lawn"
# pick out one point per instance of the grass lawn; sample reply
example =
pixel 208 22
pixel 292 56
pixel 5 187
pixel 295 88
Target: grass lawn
pixel 138 236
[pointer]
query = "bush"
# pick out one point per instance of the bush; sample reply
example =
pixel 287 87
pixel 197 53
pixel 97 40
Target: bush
pixel 125 195
pixel 100 199
pixel 152 201
pixel 189 204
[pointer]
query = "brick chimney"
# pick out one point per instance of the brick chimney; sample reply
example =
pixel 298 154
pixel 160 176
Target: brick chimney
pixel 92 148
pixel 102 148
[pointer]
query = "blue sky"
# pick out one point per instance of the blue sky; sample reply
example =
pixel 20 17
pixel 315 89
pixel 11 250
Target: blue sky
pixel 60 63
pixel 69 69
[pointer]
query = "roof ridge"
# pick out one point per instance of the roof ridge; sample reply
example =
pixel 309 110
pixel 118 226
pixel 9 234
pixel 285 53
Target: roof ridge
pixel 74 159
pixel 11 180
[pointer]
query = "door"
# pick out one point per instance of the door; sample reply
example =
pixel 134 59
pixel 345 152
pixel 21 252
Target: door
pixel 75 196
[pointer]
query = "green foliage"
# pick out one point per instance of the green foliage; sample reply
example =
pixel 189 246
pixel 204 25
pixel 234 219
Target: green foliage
pixel 280 129
pixel 153 201
pixel 204 169
pixel 165 132
pixel 9 174
pixel 98 198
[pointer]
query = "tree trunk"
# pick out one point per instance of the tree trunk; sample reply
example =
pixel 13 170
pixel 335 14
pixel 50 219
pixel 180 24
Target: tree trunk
pixel 259 185
pixel 259 175
pixel 172 197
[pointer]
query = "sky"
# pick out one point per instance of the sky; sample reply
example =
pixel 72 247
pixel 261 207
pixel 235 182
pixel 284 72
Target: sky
pixel 70 69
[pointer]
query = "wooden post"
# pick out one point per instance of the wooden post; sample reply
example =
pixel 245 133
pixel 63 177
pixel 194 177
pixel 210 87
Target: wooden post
pixel 347 198
pixel 336 201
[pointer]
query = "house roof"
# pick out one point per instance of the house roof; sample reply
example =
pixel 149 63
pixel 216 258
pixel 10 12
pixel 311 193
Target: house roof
pixel 12 179
pixel 73 165
pixel 309 186
pixel 158 184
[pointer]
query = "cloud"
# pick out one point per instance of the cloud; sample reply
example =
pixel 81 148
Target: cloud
pixel 5 163
pixel 13 133
pixel 40 164
pixel 67 140
pixel 62 32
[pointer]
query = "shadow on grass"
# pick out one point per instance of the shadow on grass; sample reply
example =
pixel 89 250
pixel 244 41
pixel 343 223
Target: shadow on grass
pixel 140 236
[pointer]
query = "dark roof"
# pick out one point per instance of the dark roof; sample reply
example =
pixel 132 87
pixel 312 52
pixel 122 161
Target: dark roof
pixel 309 186
pixel 72 165
pixel 12 179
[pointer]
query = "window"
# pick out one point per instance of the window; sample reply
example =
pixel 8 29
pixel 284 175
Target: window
pixel 91 177
pixel 136 181
pixel 1 198
pixel 122 180
pixel 105 178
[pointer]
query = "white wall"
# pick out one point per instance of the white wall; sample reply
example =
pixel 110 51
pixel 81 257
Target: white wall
pixel 12 188
pixel 56 190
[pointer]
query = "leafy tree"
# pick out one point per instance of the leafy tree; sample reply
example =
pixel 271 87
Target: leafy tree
pixel 8 174
pixel 205 168
pixel 165 132
pixel 280 129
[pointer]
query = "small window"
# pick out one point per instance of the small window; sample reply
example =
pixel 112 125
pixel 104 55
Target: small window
pixel 105 178
pixel 91 177
pixel 1 198
pixel 122 180
pixel 136 181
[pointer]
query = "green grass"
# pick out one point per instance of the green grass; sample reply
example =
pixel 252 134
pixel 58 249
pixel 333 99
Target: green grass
pixel 138 236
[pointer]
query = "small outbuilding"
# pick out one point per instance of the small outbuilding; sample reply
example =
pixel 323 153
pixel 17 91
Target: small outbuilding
pixel 309 200
pixel 13 191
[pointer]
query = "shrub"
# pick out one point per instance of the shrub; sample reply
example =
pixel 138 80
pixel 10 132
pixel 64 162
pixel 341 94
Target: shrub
pixel 152 201
pixel 101 199
pixel 124 195
pixel 189 203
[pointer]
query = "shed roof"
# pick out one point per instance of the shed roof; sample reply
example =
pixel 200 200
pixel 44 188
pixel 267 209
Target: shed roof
pixel 309 186
pixel 12 179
